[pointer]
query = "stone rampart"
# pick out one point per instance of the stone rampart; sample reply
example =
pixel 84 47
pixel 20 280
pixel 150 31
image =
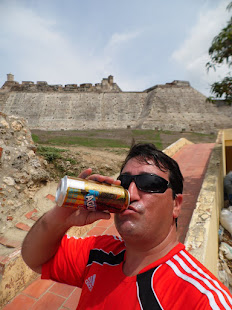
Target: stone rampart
pixel 183 108
pixel 106 85
pixel 174 106
pixel 49 111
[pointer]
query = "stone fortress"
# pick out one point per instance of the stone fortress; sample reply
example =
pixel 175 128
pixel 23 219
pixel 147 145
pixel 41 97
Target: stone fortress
pixel 174 106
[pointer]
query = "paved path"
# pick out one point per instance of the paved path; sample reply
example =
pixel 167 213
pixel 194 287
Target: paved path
pixel 46 294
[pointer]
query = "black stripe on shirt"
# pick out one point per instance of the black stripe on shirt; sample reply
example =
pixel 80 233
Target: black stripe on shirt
pixel 100 257
pixel 145 292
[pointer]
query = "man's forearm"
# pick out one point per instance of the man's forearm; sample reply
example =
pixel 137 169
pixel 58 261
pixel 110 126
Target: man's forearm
pixel 42 241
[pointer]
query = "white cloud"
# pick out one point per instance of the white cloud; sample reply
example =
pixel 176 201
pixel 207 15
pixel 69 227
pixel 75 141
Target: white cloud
pixel 136 83
pixel 115 46
pixel 35 46
pixel 121 38
pixel 39 52
pixel 116 49
pixel 193 54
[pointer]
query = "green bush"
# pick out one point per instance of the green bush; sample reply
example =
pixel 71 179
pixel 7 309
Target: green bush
pixel 50 153
pixel 35 138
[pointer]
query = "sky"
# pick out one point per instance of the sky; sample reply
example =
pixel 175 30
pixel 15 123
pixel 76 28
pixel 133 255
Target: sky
pixel 141 43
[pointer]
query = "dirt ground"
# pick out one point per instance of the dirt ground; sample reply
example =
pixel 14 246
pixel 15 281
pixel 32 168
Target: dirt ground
pixel 106 160
pixel 77 158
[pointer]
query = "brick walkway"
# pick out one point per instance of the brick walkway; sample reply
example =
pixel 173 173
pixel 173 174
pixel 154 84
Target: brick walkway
pixel 46 294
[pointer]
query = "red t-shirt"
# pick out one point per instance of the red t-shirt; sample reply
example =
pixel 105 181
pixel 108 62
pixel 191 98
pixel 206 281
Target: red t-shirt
pixel 177 281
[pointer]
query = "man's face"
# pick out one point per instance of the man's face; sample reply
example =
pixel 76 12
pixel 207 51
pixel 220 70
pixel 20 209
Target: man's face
pixel 150 216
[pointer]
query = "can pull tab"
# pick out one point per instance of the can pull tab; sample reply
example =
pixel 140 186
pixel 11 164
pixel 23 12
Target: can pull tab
pixel 61 191
pixel 128 203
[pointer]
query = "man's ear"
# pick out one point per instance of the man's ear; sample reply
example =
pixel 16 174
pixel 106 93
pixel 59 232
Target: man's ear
pixel 177 205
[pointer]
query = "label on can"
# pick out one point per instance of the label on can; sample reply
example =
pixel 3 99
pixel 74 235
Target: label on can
pixel 90 200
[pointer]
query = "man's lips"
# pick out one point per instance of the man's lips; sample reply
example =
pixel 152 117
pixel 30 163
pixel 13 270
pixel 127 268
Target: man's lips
pixel 137 208
pixel 132 208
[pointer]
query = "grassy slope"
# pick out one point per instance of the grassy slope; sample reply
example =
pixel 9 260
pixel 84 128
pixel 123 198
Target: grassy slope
pixel 114 138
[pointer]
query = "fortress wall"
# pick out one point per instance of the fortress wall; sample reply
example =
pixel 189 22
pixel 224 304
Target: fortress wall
pixel 174 106
pixel 181 100
pixel 184 109
pixel 3 98
pixel 52 111
pixel 225 110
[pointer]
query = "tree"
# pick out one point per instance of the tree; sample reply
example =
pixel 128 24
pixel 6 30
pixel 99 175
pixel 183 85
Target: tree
pixel 221 52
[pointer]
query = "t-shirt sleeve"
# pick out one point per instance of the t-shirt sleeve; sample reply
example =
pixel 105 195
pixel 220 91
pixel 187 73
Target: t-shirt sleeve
pixel 69 263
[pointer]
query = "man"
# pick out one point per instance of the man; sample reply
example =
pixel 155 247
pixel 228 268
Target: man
pixel 148 268
pixel 228 187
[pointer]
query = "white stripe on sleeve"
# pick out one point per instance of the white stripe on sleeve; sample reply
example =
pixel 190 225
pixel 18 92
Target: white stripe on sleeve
pixel 216 283
pixel 194 282
pixel 203 279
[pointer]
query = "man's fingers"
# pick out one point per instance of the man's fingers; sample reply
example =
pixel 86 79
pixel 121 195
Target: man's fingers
pixel 104 179
pixel 84 174
pixel 98 177
pixel 97 215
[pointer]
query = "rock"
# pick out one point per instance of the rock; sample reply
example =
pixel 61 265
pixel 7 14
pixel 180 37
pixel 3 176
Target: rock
pixel 9 181
pixel 21 170
pixel 39 175
pixel 4 124
pixel 35 163
pixel 22 177
pixel 20 161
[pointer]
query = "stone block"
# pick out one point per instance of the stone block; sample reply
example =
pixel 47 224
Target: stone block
pixel 9 242
pixel 23 226
pixel 30 214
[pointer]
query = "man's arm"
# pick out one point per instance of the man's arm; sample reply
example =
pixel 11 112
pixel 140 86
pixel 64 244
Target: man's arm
pixel 43 240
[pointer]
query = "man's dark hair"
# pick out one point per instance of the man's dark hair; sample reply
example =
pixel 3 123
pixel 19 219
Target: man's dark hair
pixel 146 152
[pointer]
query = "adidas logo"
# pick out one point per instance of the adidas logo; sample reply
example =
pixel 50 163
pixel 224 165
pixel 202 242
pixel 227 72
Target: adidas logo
pixel 90 282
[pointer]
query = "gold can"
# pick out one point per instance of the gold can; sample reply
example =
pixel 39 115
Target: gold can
pixel 91 195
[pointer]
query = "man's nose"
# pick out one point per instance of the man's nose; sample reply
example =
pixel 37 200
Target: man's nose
pixel 134 191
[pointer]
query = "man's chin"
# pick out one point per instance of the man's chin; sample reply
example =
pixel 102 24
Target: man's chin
pixel 125 226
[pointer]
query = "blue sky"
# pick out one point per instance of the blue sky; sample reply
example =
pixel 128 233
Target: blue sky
pixel 140 43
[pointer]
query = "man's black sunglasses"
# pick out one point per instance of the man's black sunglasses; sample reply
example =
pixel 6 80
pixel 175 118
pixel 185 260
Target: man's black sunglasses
pixel 145 182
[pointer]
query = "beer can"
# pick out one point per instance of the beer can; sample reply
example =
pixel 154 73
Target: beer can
pixel 91 195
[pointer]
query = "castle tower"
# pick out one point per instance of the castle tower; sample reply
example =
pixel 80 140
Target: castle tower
pixel 10 77
pixel 110 79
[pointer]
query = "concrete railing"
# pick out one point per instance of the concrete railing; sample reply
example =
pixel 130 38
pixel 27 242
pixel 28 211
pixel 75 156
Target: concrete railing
pixel 202 237
pixel 176 146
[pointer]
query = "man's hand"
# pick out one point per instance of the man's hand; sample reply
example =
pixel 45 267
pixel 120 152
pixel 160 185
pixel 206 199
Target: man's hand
pixel 43 240
pixel 68 216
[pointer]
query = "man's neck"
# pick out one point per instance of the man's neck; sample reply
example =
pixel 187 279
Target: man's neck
pixel 138 258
